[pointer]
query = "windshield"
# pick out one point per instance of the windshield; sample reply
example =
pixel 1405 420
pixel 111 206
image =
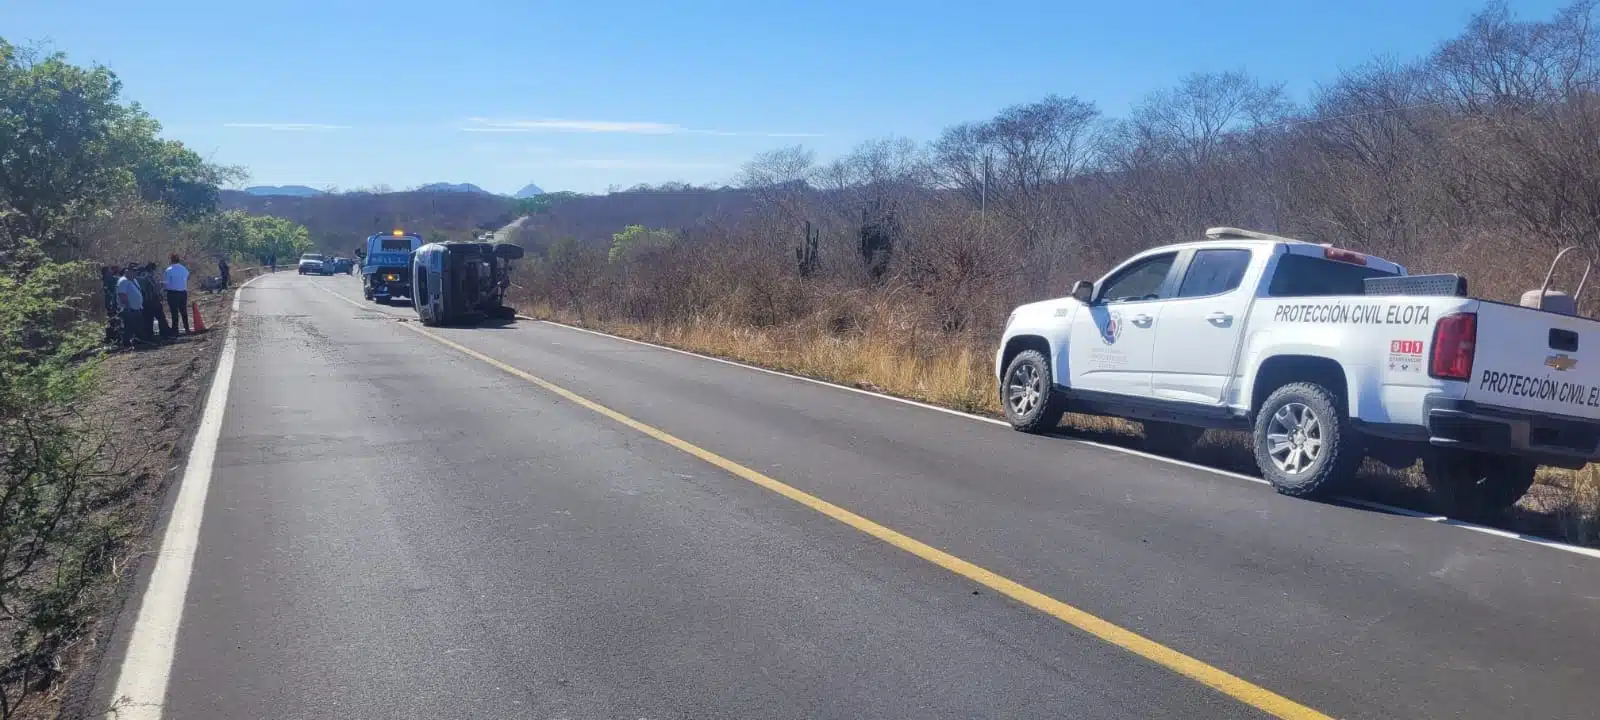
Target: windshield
pixel 396 244
pixel 310 257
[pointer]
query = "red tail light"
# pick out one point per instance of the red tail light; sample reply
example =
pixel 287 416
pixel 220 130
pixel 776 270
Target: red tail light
pixel 1344 256
pixel 1455 338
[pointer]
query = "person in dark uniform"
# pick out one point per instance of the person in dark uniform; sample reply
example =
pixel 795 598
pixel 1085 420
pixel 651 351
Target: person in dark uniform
pixel 155 318
pixel 109 274
pixel 222 271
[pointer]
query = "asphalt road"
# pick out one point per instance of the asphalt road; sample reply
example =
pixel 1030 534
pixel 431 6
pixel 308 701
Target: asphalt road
pixel 397 529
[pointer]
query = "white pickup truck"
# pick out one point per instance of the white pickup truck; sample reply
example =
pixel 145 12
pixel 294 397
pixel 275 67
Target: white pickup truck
pixel 1290 341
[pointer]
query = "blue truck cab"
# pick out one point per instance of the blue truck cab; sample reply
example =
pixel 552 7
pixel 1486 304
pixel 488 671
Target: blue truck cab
pixel 386 265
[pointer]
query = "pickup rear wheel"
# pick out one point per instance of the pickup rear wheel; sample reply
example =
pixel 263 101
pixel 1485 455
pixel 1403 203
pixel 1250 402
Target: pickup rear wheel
pixel 1029 396
pixel 1475 486
pixel 1304 443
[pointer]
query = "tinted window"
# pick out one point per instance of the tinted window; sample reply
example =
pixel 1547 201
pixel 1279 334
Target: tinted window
pixel 1139 281
pixel 401 244
pixel 1305 276
pixel 1213 272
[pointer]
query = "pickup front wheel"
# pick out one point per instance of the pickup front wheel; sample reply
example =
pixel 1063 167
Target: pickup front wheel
pixel 1304 444
pixel 1029 396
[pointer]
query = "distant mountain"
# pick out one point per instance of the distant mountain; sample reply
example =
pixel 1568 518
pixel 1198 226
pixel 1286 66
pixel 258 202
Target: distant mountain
pixel 528 191
pixel 288 190
pixel 452 187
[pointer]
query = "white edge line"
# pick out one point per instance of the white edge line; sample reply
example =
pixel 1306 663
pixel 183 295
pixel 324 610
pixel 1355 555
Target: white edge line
pixel 141 687
pixel 1440 519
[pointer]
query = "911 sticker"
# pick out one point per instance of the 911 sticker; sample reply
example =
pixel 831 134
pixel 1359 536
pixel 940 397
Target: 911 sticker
pixel 1405 356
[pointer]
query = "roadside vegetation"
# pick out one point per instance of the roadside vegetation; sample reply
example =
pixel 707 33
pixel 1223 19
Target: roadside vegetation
pixel 86 180
pixel 895 266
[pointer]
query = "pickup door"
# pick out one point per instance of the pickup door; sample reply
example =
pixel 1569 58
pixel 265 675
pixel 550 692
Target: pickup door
pixel 1538 361
pixel 1197 346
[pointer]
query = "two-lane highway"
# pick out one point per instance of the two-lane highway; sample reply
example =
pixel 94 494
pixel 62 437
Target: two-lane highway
pixel 532 521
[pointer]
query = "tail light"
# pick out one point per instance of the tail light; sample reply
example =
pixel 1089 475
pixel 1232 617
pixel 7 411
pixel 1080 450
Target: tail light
pixel 1455 339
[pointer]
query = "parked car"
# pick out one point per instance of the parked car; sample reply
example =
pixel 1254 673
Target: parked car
pixel 311 263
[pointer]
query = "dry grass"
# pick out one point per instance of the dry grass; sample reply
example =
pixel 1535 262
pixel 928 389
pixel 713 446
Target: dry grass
pixel 1564 504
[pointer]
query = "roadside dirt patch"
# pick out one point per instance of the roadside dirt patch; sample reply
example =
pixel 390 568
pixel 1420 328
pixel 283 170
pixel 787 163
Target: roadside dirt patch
pixel 147 402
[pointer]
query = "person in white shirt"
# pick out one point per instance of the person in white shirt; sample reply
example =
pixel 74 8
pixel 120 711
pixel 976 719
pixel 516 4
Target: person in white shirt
pixel 130 304
pixel 176 279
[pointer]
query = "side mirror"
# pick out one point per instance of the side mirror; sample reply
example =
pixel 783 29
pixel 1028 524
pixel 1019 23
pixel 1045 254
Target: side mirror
pixel 1083 291
pixel 507 251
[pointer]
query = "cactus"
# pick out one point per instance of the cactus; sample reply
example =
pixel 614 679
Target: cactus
pixel 806 255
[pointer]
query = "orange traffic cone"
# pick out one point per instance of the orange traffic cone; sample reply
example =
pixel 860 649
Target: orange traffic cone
pixel 199 322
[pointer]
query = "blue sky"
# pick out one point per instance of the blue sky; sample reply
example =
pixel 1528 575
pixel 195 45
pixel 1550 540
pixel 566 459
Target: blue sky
pixel 581 95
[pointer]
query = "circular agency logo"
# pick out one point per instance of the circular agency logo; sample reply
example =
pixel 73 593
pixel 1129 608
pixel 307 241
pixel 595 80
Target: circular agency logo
pixel 1112 329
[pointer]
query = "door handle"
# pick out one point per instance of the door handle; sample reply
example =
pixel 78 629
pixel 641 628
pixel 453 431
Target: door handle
pixel 1220 319
pixel 1142 320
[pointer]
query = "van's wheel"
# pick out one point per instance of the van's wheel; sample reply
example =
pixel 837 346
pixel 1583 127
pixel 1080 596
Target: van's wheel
pixel 1476 486
pixel 1028 394
pixel 1165 438
pixel 1304 443
pixel 366 292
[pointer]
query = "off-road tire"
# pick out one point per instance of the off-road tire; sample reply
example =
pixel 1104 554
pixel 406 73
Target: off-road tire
pixel 1044 413
pixel 1475 486
pixel 1340 452
pixel 1171 439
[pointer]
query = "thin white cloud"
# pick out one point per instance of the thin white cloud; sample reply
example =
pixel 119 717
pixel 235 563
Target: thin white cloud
pixel 488 125
pixel 289 127
pixel 486 148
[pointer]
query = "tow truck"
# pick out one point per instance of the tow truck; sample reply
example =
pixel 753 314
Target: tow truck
pixel 1325 356
pixel 386 265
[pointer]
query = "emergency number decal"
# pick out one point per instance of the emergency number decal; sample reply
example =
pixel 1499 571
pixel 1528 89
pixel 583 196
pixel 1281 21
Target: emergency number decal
pixel 1353 313
pixel 1405 356
pixel 1539 388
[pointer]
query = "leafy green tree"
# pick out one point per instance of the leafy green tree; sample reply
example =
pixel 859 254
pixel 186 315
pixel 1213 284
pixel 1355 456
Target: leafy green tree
pixel 269 237
pixel 636 239
pixel 68 148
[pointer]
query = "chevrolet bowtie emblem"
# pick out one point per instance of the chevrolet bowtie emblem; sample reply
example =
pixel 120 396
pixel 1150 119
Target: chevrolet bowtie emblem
pixel 1561 362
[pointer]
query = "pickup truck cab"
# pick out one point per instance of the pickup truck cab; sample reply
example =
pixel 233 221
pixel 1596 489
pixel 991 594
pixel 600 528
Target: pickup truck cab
pixel 1325 356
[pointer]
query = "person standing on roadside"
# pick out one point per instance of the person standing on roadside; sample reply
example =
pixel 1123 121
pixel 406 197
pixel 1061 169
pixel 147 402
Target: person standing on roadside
pixel 155 317
pixel 176 278
pixel 130 305
pixel 108 288
pixel 222 271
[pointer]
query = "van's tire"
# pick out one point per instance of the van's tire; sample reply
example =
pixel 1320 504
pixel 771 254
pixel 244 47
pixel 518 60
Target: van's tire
pixel 1172 439
pixel 1328 451
pixel 1475 486
pixel 1037 406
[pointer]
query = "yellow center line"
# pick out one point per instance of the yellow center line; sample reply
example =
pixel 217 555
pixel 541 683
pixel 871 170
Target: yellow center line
pixel 1211 676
